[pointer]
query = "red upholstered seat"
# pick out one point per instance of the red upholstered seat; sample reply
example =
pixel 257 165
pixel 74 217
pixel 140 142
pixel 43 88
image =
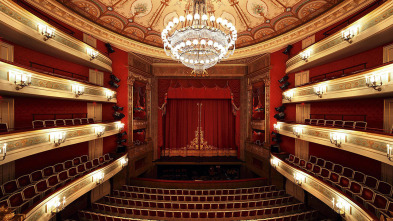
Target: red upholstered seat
pixel 367 195
pixel 58 167
pixel 53 181
pixel 385 188
pixel 76 161
pixel 91 120
pixel 348 172
pixel 371 182
pixel 108 158
pixel 309 166
pixel 337 168
pixel 354 188
pixel 96 163
pixel 50 123
pixel 3 127
pixel 84 158
pixel 177 214
pixel 72 172
pixel 302 163
pixel 29 193
pixel 24 181
pixel 38 124
pixel 334 178
pixel 325 173
pixel 359 177
pixel 59 122
pixel 296 161
pixel 16 201
pixel 329 165
pixel 77 121
pixel 68 164
pixel 81 168
pixel 36 176
pixel 69 122
pixel 88 166
pixel 10 187
pixel 316 169
pixel 313 159
pixel 379 203
pixel 48 171
pixel 321 162
pixel 84 121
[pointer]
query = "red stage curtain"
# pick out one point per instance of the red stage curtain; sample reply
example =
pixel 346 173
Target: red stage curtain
pixel 217 121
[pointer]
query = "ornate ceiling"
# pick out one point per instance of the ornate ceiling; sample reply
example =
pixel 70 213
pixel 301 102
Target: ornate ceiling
pixel 255 20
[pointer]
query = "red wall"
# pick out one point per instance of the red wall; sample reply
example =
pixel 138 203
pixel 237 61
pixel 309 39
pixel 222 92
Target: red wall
pixel 110 144
pixel 357 162
pixel 49 158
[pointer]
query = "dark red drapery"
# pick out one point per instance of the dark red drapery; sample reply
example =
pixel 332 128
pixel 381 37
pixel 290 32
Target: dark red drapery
pixel 217 122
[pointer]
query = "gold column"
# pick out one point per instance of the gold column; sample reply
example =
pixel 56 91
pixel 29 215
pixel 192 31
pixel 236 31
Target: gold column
pixel 130 83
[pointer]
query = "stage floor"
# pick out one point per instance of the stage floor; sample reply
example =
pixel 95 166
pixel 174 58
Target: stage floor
pixel 198 160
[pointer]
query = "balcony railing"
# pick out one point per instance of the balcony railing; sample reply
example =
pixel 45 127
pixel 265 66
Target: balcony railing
pixel 371 145
pixel 23 144
pixel 327 194
pixel 76 189
pixel 367 32
pixel 370 83
pixel 18 21
pixel 46 85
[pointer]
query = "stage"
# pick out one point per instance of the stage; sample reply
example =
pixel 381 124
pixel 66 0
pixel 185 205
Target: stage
pixel 198 161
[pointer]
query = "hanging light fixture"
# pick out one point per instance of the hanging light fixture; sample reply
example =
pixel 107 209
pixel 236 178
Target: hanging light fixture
pixel 199 40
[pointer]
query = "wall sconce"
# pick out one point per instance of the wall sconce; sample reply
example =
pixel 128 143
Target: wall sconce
pixel 3 152
pixel 109 94
pixel 98 178
pixel 274 162
pixel 288 95
pixel 338 138
pixel 320 90
pixel 350 33
pixel 20 79
pixel 46 31
pixel 299 178
pixel 78 89
pixel 92 53
pixel 57 138
pixel 276 127
pixel 55 205
pixel 375 81
pixel 339 206
pixel 120 126
pixel 297 131
pixel 305 55
pixel 124 162
pixel 99 131
pixel 389 152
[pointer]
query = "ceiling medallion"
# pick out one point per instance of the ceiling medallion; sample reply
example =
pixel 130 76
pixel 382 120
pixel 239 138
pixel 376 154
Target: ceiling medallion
pixel 197 41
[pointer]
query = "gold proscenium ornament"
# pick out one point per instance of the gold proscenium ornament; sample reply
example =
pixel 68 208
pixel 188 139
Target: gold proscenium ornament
pixel 199 73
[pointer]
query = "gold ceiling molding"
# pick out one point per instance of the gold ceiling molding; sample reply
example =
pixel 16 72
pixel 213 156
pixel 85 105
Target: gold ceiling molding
pixel 59 11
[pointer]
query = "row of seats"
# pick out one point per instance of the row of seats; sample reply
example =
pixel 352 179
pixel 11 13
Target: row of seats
pixel 132 212
pixel 192 205
pixel 90 216
pixel 164 197
pixel 337 123
pixel 21 193
pixel 374 194
pixel 198 192
pixel 61 122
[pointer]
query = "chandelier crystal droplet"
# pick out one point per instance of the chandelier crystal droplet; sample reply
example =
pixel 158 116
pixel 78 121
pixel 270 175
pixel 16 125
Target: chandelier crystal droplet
pixel 199 40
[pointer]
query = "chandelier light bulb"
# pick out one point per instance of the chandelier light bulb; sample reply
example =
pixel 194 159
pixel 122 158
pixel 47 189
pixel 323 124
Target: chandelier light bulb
pixel 212 18
pixel 195 42
pixel 203 42
pixel 188 43
pixel 170 24
pixel 229 25
pixel 210 42
pixel 219 20
pixel 224 22
pixel 197 16
pixel 189 17
pixel 182 18
pixel 176 21
pixel 204 17
pixel 182 44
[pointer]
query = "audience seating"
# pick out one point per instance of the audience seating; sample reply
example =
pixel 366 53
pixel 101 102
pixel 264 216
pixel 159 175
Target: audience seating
pixel 3 127
pixel 22 192
pixel 367 190
pixel 338 123
pixel 54 123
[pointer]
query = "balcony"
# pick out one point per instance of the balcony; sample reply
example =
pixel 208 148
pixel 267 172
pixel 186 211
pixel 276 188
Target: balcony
pixel 327 194
pixel 368 32
pixel 26 143
pixel 25 31
pixel 75 190
pixel 17 80
pixel 368 144
pixel 370 83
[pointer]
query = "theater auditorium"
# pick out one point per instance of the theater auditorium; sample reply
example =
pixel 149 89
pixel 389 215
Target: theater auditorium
pixel 178 110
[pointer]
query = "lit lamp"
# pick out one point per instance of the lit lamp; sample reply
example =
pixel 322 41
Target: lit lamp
pixel 57 138
pixel 124 162
pixel 274 162
pixel 109 94
pixel 288 95
pixel 389 152
pixel 46 31
pixel 305 55
pixel 78 89
pixel 350 33
pixel 297 131
pixel 55 205
pixel 99 130
pixel 338 138
pixel 276 127
pixel 338 206
pixel 320 90
pixel 98 177
pixel 92 53
pixel 3 151
pixel 299 178
pixel 20 79
pixel 120 126
pixel 375 81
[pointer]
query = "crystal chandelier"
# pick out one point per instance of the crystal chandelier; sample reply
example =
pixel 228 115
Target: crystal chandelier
pixel 199 40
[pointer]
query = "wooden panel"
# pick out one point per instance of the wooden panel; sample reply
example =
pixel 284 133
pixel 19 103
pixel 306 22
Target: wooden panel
pixel 308 41
pixel 7 172
pixel 96 77
pixel 388 115
pixel 88 39
pixel 388 53
pixel 7 112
